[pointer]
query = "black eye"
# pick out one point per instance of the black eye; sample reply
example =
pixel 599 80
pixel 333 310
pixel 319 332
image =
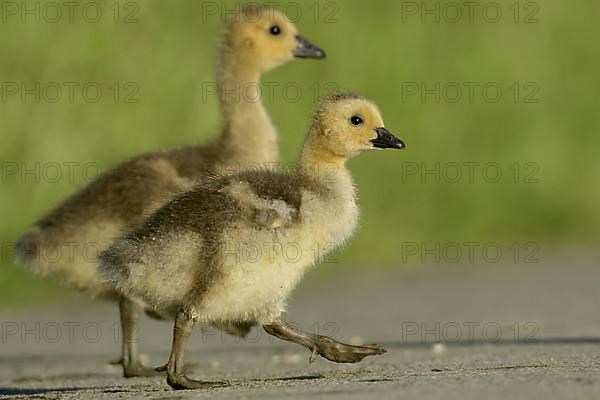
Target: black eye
pixel 275 30
pixel 356 120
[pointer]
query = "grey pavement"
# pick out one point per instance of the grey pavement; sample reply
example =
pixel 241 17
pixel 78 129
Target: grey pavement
pixel 488 331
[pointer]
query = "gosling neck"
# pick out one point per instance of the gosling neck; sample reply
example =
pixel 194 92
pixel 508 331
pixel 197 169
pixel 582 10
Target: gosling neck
pixel 325 168
pixel 247 135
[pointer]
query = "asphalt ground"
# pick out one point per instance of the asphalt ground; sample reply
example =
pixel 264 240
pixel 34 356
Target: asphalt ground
pixel 485 331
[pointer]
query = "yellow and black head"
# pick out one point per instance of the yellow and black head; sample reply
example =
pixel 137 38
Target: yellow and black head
pixel 348 124
pixel 264 38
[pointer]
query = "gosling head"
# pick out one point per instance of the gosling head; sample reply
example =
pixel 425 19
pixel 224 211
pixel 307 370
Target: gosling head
pixel 264 39
pixel 347 124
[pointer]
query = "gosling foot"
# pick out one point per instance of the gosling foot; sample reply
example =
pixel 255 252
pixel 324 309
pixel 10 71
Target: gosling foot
pixel 341 352
pixel 137 369
pixel 182 382
pixel 321 345
pixel 175 369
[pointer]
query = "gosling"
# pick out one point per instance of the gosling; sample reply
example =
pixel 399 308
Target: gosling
pixel 187 260
pixel 254 42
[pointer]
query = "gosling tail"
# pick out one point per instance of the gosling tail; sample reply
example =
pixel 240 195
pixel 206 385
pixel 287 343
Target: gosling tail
pixel 30 251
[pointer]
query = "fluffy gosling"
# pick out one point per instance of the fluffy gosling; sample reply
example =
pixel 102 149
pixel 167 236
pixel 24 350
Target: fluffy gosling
pixel 253 43
pixel 187 260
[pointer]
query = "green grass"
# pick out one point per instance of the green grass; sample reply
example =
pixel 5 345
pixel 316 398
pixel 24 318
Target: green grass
pixel 171 52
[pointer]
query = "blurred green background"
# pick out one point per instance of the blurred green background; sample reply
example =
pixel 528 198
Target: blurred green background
pixel 547 129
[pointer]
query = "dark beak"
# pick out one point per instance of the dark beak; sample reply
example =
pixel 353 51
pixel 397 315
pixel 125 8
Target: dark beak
pixel 305 49
pixel 386 140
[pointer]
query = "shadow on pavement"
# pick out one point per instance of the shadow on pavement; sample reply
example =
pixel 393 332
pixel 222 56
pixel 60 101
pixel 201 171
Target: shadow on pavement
pixel 502 342
pixel 12 391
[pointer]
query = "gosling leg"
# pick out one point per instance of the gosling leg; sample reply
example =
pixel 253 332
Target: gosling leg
pixel 132 366
pixel 321 345
pixel 176 377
